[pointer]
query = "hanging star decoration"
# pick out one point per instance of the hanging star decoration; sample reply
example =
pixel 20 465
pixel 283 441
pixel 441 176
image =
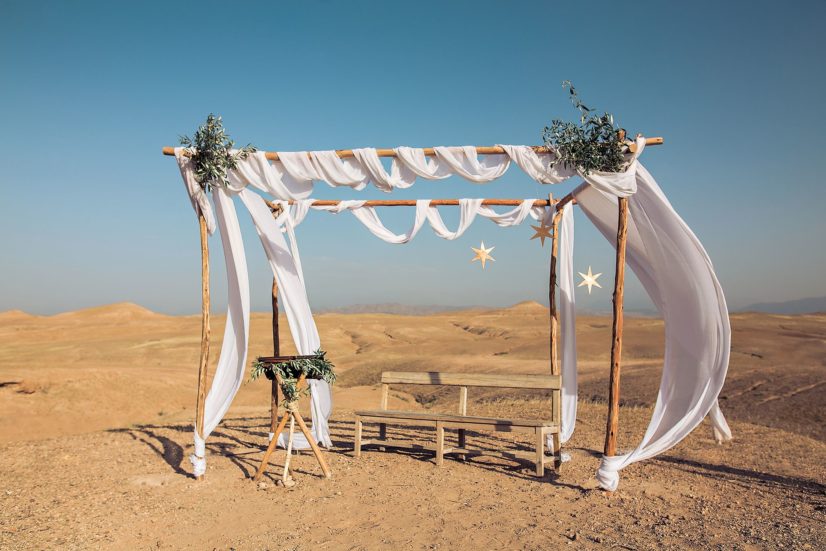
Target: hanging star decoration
pixel 590 280
pixel 482 254
pixel 542 231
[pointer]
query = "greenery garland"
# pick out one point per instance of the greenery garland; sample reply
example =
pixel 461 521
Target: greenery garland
pixel 317 367
pixel 212 153
pixel 594 144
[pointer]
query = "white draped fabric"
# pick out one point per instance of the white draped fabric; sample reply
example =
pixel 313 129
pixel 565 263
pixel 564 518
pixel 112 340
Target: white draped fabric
pixel 663 252
pixel 297 310
pixel 232 362
pixel 293 175
pixel 468 210
pixel 677 274
pixel 567 314
pixel 229 373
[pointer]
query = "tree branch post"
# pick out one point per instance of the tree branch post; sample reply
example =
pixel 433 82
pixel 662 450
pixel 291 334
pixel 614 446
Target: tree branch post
pixel 205 332
pixel 616 344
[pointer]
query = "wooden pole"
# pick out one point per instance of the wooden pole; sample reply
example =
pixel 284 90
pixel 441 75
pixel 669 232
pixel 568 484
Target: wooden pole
pixel 554 314
pixel 616 344
pixel 433 203
pixel 430 152
pixel 276 350
pixel 205 331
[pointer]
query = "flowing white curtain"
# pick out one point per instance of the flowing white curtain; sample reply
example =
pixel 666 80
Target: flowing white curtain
pixel 567 314
pixel 297 309
pixel 232 362
pixel 677 274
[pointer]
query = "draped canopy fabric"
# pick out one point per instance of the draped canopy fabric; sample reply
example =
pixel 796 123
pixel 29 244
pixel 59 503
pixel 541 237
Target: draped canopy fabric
pixel 468 210
pixel 666 256
pixel 292 176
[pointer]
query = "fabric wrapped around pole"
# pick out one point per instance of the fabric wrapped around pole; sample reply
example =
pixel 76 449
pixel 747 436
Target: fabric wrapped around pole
pixel 197 196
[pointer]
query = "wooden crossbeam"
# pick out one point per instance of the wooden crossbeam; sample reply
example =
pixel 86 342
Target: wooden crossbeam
pixel 439 202
pixel 430 152
pixel 433 203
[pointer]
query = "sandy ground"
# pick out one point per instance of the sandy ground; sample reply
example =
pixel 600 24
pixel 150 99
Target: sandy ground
pixel 95 428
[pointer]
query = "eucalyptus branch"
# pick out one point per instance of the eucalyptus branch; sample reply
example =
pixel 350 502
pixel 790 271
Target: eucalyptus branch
pixel 595 144
pixel 212 153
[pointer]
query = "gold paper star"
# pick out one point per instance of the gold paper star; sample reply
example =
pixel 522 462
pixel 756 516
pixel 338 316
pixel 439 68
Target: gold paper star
pixel 542 231
pixel 483 254
pixel 590 280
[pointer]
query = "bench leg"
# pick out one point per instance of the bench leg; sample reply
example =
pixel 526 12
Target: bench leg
pixel 462 442
pixel 540 453
pixel 383 431
pixel 357 443
pixel 440 443
pixel 557 453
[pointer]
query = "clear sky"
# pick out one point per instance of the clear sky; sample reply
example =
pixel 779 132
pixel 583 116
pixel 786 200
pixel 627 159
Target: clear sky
pixel 91 213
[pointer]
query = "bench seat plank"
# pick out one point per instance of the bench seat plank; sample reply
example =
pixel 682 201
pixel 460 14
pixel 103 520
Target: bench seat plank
pixel 451 419
pixel 447 378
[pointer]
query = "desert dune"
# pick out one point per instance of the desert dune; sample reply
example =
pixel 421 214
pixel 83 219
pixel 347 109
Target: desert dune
pixel 96 412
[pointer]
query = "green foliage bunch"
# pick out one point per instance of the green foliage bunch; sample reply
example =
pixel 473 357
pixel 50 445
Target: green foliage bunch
pixel 212 153
pixel 317 367
pixel 594 144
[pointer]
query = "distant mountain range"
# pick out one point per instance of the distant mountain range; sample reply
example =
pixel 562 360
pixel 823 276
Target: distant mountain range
pixel 127 310
pixel 396 308
pixel 801 306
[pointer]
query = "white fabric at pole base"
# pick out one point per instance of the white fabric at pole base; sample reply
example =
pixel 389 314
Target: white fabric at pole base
pixel 198 459
pixel 608 472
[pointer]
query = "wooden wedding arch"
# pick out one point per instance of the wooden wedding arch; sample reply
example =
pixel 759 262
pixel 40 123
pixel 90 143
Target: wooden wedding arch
pixel 610 447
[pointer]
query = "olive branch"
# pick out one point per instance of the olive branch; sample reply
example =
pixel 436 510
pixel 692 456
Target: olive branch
pixel 595 144
pixel 317 367
pixel 212 153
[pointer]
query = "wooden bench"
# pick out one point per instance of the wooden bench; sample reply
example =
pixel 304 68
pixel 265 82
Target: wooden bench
pixel 540 428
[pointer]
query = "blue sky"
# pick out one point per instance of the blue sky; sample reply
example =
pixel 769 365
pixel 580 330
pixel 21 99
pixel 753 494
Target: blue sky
pixel 90 91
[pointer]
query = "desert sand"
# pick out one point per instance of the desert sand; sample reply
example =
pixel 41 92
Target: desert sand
pixel 96 409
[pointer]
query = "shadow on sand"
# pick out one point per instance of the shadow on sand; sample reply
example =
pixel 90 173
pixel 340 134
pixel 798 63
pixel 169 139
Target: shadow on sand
pixel 243 439
pixel 746 477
